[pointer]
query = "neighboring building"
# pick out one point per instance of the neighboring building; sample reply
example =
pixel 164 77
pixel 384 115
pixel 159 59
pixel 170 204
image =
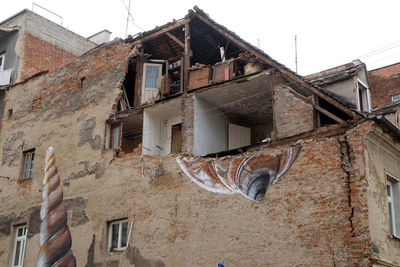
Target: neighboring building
pixel 153 135
pixel 385 85
pixel 30 43
pixel 348 83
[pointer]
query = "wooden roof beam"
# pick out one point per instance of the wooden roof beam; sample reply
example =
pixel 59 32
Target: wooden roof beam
pixel 177 24
pixel 179 42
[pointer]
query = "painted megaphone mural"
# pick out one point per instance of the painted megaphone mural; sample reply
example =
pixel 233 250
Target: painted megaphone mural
pixel 249 176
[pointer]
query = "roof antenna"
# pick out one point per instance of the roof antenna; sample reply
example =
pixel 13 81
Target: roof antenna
pixel 295 51
pixel 127 18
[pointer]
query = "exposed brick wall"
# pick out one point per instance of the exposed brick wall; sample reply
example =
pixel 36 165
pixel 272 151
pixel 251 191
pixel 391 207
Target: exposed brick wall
pixel 384 82
pixel 39 55
pixel 187 123
pixel 291 115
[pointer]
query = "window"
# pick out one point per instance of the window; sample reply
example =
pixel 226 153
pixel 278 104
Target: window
pixel 113 137
pixel 2 57
pixel 395 97
pixel 151 76
pixel 363 97
pixel 393 195
pixel 19 245
pixel 29 157
pixel 118 235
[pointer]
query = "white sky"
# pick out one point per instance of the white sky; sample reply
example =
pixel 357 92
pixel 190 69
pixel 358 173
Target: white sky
pixel 329 33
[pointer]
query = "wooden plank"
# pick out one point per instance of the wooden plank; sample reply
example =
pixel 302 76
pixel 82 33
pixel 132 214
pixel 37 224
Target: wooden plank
pixel 289 74
pixel 186 56
pixel 177 24
pixel 315 106
pixel 179 42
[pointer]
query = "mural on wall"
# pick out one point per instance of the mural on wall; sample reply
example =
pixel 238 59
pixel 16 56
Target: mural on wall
pixel 54 237
pixel 249 176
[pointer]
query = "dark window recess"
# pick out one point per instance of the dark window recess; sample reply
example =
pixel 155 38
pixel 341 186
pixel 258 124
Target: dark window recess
pixel 325 120
pixel 27 172
pixel 176 140
pixel 115 135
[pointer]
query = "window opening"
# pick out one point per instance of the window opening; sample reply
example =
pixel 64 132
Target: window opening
pixel 2 57
pixel 19 246
pixel 118 235
pixel 29 157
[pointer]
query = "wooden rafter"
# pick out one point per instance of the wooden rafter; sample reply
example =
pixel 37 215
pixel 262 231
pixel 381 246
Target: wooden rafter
pixel 177 24
pixel 179 42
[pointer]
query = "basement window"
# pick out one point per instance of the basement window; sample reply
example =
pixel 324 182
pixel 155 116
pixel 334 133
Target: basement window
pixel 28 157
pixel 117 235
pixel 113 135
pixel 393 196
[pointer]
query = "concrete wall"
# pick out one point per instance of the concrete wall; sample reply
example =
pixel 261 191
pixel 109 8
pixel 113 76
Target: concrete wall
pixel 346 90
pixel 210 128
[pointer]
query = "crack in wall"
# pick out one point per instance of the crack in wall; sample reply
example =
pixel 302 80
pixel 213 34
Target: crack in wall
pixel 345 161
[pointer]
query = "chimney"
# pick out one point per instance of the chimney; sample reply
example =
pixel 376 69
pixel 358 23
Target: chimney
pixel 100 37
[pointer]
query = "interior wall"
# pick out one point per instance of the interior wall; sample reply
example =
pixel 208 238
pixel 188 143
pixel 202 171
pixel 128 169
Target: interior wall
pixel 210 128
pixel 157 130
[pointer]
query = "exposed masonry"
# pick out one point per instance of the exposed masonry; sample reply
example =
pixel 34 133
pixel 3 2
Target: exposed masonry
pixel 86 134
pixel 11 151
pixel 98 169
pixel 348 170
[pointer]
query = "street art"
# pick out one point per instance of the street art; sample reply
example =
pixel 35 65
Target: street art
pixel 54 237
pixel 249 176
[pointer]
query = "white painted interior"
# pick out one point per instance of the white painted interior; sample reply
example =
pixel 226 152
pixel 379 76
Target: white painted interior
pixel 239 136
pixel 157 127
pixel 210 128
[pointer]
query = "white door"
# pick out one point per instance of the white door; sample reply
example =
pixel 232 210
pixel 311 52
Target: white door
pixel 238 136
pixel 151 77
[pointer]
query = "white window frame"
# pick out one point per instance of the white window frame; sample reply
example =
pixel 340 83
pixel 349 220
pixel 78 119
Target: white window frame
pixel 21 239
pixel 368 96
pixel 3 56
pixel 392 218
pixel 28 163
pixel 119 247
pixel 144 97
pixel 395 97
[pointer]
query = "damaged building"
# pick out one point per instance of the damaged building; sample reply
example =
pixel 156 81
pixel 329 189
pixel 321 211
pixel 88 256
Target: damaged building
pixel 185 145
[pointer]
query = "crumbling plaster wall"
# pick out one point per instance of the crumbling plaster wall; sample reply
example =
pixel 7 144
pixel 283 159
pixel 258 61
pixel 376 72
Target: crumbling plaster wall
pixel 304 219
pixel 66 108
pixel 383 159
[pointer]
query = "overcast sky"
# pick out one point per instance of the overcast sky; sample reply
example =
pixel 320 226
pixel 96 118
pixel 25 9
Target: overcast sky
pixel 329 33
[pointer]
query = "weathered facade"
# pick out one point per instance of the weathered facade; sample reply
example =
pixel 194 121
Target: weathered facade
pixel 118 132
pixel 30 43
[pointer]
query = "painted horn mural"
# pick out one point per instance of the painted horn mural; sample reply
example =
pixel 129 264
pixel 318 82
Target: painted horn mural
pixel 246 175
pixel 54 237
